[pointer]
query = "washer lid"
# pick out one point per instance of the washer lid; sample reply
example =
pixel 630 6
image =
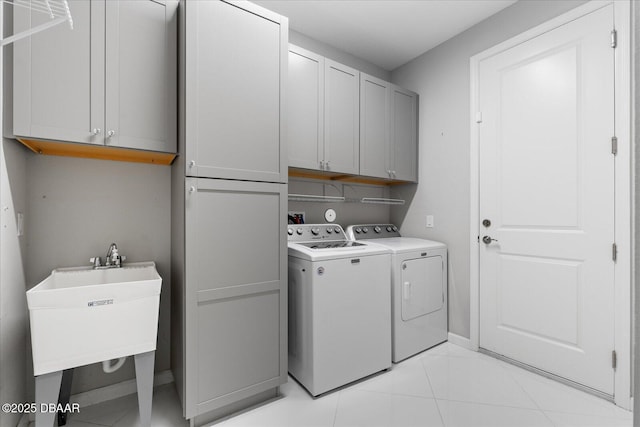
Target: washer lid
pixel 299 250
pixel 407 244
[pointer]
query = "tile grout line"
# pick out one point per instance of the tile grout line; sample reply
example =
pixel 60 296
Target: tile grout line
pixel 426 374
pixel 514 379
pixel 335 412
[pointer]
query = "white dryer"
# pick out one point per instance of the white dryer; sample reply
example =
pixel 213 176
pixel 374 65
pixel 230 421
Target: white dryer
pixel 418 288
pixel 339 307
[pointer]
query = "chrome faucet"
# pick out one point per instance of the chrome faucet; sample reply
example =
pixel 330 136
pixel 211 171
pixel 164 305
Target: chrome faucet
pixel 112 260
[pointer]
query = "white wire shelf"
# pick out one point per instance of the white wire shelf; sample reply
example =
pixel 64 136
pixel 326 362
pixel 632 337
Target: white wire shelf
pixel 382 201
pixel 315 198
pixel 57 10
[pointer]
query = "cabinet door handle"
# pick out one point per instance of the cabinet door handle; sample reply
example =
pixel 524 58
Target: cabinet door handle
pixel 393 173
pixel 326 166
pixel 192 163
pixel 111 133
pixel 96 131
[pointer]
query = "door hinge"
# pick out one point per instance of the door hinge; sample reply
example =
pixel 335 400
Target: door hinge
pixel 614 145
pixel 614 359
pixel 614 252
pixel 614 39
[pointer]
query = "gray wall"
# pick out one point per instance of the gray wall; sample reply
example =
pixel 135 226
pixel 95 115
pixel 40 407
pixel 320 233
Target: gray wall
pixel 441 78
pixel 77 207
pixel 338 55
pixel 13 305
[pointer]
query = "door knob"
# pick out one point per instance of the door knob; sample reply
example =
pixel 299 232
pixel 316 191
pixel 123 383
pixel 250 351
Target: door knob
pixel 486 223
pixel 487 240
pixel 96 131
pixel 111 133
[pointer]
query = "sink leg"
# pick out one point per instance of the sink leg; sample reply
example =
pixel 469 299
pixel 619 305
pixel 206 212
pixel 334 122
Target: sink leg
pixel 47 391
pixel 65 393
pixel 144 380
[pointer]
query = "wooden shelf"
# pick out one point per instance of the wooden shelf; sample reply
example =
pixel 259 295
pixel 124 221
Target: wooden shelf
pixel 89 151
pixel 333 176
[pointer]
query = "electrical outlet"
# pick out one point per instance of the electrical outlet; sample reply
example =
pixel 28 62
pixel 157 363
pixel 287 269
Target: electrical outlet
pixel 429 221
pixel 20 221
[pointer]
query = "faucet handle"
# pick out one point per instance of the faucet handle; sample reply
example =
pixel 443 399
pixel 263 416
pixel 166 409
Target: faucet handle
pixel 96 261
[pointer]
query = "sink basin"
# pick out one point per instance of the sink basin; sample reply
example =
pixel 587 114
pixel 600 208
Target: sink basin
pixel 81 315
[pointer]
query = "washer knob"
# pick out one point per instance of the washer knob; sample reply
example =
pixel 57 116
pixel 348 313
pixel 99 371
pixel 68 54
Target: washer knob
pixel 290 231
pixel 395 228
pixel 389 229
pixel 358 230
pixel 336 229
pixel 365 230
pixel 315 231
pixel 377 229
pixel 329 230
pixel 299 231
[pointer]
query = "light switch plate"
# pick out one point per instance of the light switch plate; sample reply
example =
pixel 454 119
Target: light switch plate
pixel 429 221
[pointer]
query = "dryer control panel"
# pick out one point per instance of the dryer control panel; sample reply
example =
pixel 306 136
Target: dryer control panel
pixel 313 232
pixel 372 231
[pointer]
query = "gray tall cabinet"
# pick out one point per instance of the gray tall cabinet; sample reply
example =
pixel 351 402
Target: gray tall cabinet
pixel 229 341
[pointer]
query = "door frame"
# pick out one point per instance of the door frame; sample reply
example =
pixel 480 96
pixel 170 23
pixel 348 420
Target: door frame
pixel 623 185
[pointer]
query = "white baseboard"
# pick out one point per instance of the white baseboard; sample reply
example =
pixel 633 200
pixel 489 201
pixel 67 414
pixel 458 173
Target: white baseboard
pixel 115 391
pixel 461 341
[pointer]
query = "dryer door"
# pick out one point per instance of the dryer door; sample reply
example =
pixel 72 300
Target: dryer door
pixel 422 286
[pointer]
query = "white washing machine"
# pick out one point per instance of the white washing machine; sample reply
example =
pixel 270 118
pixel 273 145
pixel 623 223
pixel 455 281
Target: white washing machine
pixel 418 284
pixel 339 307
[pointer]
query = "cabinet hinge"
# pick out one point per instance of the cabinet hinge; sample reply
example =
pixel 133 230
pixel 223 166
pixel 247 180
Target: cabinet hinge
pixel 614 39
pixel 614 145
pixel 479 117
pixel 614 359
pixel 614 252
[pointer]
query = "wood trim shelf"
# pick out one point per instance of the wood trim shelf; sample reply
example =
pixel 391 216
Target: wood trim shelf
pixel 101 152
pixel 334 176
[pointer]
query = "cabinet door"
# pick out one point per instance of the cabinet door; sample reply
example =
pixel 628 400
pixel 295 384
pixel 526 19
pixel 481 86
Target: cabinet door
pixel 236 284
pixel 141 80
pixel 404 134
pixel 374 126
pixel 236 64
pixel 59 76
pixel 341 118
pixel 305 109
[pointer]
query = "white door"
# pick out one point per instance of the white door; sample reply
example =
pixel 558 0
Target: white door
pixel 547 187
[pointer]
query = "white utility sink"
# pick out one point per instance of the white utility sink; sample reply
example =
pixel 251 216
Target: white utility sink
pixel 84 315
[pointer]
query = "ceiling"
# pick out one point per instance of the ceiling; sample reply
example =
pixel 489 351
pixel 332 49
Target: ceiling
pixel 387 33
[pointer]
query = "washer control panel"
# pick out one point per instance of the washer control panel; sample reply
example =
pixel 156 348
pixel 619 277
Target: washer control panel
pixel 372 231
pixel 311 232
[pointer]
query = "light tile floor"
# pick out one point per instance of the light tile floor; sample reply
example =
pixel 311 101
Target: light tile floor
pixel 445 386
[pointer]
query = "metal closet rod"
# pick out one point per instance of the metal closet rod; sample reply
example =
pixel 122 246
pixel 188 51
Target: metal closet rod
pixel 334 199
pixel 58 11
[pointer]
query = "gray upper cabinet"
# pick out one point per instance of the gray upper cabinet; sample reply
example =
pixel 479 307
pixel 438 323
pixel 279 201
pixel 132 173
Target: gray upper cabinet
pixel 234 118
pixel 323 120
pixel 375 119
pixel 345 121
pixel 306 109
pixel 404 134
pixel 141 75
pixel 388 130
pixel 341 118
pixel 110 81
